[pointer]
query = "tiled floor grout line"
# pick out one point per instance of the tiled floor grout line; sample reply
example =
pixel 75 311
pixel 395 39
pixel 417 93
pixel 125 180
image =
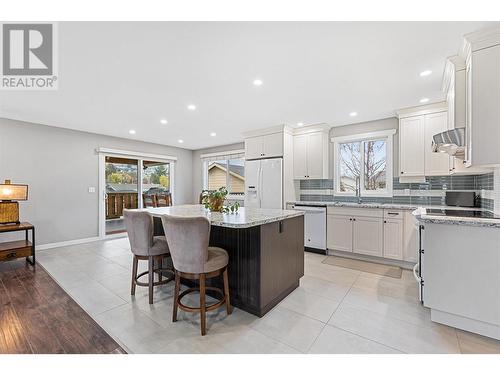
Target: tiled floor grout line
pixel 336 308
pixel 367 338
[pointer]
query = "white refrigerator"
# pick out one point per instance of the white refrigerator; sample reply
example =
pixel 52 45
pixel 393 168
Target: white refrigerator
pixel 264 183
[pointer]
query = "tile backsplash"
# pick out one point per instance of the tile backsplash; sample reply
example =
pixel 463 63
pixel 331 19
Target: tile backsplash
pixel 432 191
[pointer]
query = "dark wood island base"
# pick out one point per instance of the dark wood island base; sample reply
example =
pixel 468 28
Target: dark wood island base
pixel 265 261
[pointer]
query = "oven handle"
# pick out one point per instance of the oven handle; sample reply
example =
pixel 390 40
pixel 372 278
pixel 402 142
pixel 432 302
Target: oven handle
pixel 416 270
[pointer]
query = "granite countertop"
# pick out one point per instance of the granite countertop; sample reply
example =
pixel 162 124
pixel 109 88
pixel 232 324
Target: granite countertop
pixel 422 216
pixel 390 206
pixel 244 218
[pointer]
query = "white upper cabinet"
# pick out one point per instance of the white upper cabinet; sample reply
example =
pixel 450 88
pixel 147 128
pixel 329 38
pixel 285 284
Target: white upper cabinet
pixel 253 148
pixel 411 146
pixel 300 156
pixel 310 153
pixel 455 87
pixel 436 163
pixel 272 145
pixel 264 146
pixel 316 155
pixel 482 54
pixel 417 126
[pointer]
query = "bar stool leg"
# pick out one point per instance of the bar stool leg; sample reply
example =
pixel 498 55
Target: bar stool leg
pixel 226 292
pixel 202 305
pixel 150 278
pixel 176 295
pixel 134 275
pixel 160 265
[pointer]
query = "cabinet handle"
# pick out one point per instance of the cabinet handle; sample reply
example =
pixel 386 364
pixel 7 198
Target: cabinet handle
pixel 402 172
pixel 353 219
pixel 350 219
pixel 11 255
pixel 385 221
pixel 393 213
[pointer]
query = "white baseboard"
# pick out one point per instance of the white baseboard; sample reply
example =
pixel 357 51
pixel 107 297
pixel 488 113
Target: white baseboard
pixel 66 243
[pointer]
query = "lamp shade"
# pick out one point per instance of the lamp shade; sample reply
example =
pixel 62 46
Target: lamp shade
pixel 13 192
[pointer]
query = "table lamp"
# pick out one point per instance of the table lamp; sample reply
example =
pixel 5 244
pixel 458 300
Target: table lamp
pixel 9 207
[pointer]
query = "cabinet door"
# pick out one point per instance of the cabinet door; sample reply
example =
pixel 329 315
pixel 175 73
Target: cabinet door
pixel 253 148
pixel 300 156
pixel 393 239
pixel 339 233
pixel 368 236
pixel 315 155
pixel 272 145
pixel 436 163
pixel 411 146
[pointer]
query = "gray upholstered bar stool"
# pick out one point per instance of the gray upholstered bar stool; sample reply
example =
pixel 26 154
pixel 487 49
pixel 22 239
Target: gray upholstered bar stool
pixel 145 246
pixel 193 259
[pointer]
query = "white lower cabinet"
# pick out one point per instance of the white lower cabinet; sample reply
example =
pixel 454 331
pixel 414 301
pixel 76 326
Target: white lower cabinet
pixel 393 239
pixel 389 234
pixel 339 232
pixel 367 236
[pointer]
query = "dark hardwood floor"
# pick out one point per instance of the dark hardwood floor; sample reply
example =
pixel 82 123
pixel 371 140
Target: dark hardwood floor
pixel 37 316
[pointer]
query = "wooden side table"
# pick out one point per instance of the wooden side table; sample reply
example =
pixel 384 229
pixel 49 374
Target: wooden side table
pixel 21 248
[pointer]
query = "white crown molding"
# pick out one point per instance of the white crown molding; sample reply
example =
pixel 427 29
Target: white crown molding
pixel 422 110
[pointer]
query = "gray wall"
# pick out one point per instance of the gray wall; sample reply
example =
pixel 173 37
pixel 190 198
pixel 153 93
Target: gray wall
pixel 59 165
pixel 197 168
pixel 366 127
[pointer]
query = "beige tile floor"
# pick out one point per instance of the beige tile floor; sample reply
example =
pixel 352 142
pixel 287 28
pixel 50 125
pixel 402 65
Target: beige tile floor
pixel 335 310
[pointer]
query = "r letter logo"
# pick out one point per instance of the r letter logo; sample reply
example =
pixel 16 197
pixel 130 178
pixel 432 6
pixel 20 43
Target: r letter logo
pixel 28 56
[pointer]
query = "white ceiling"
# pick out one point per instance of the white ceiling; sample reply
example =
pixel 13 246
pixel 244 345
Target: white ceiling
pixel 114 77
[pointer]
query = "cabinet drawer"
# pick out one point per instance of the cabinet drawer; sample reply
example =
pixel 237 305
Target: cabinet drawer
pixel 393 214
pixel 15 253
pixel 351 211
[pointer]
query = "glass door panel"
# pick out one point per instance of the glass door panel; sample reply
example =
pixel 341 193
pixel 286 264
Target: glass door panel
pixel 156 184
pixel 122 191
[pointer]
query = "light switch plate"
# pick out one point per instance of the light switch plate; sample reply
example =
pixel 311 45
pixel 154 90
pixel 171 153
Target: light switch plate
pixel 91 189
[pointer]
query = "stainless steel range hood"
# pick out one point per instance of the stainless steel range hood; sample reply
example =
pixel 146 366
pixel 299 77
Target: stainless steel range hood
pixel 451 142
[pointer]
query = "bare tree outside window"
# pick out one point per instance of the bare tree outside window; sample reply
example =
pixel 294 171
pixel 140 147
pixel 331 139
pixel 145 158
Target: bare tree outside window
pixel 375 165
pixel 372 167
pixel 350 165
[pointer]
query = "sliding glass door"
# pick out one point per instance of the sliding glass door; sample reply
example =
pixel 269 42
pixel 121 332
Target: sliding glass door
pixel 122 191
pixel 128 182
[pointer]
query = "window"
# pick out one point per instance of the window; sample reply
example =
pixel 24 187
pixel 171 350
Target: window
pixel 225 170
pixel 364 162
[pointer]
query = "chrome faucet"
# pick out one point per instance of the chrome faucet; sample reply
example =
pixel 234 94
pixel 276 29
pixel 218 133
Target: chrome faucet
pixel 358 189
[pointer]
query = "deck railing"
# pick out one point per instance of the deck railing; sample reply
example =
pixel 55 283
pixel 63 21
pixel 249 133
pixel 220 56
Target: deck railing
pixel 117 202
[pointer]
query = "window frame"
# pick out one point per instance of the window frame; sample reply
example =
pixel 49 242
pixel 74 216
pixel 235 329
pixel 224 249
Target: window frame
pixel 226 157
pixel 385 135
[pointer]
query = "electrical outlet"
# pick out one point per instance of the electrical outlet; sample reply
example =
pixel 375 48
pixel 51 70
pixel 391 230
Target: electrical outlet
pixel 91 189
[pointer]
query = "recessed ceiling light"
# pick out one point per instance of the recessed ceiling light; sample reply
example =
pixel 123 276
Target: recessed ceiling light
pixel 131 131
pixel 424 100
pixel 164 121
pixel 425 73
pixel 300 124
pixel 353 114
pixel 213 134
pixel 180 141
pixel 258 82
pixel 191 107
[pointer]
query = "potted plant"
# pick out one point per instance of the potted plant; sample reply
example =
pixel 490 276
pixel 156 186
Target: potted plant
pixel 214 200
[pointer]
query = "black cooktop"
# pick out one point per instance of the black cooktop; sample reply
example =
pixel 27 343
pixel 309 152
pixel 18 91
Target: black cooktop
pixel 462 213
